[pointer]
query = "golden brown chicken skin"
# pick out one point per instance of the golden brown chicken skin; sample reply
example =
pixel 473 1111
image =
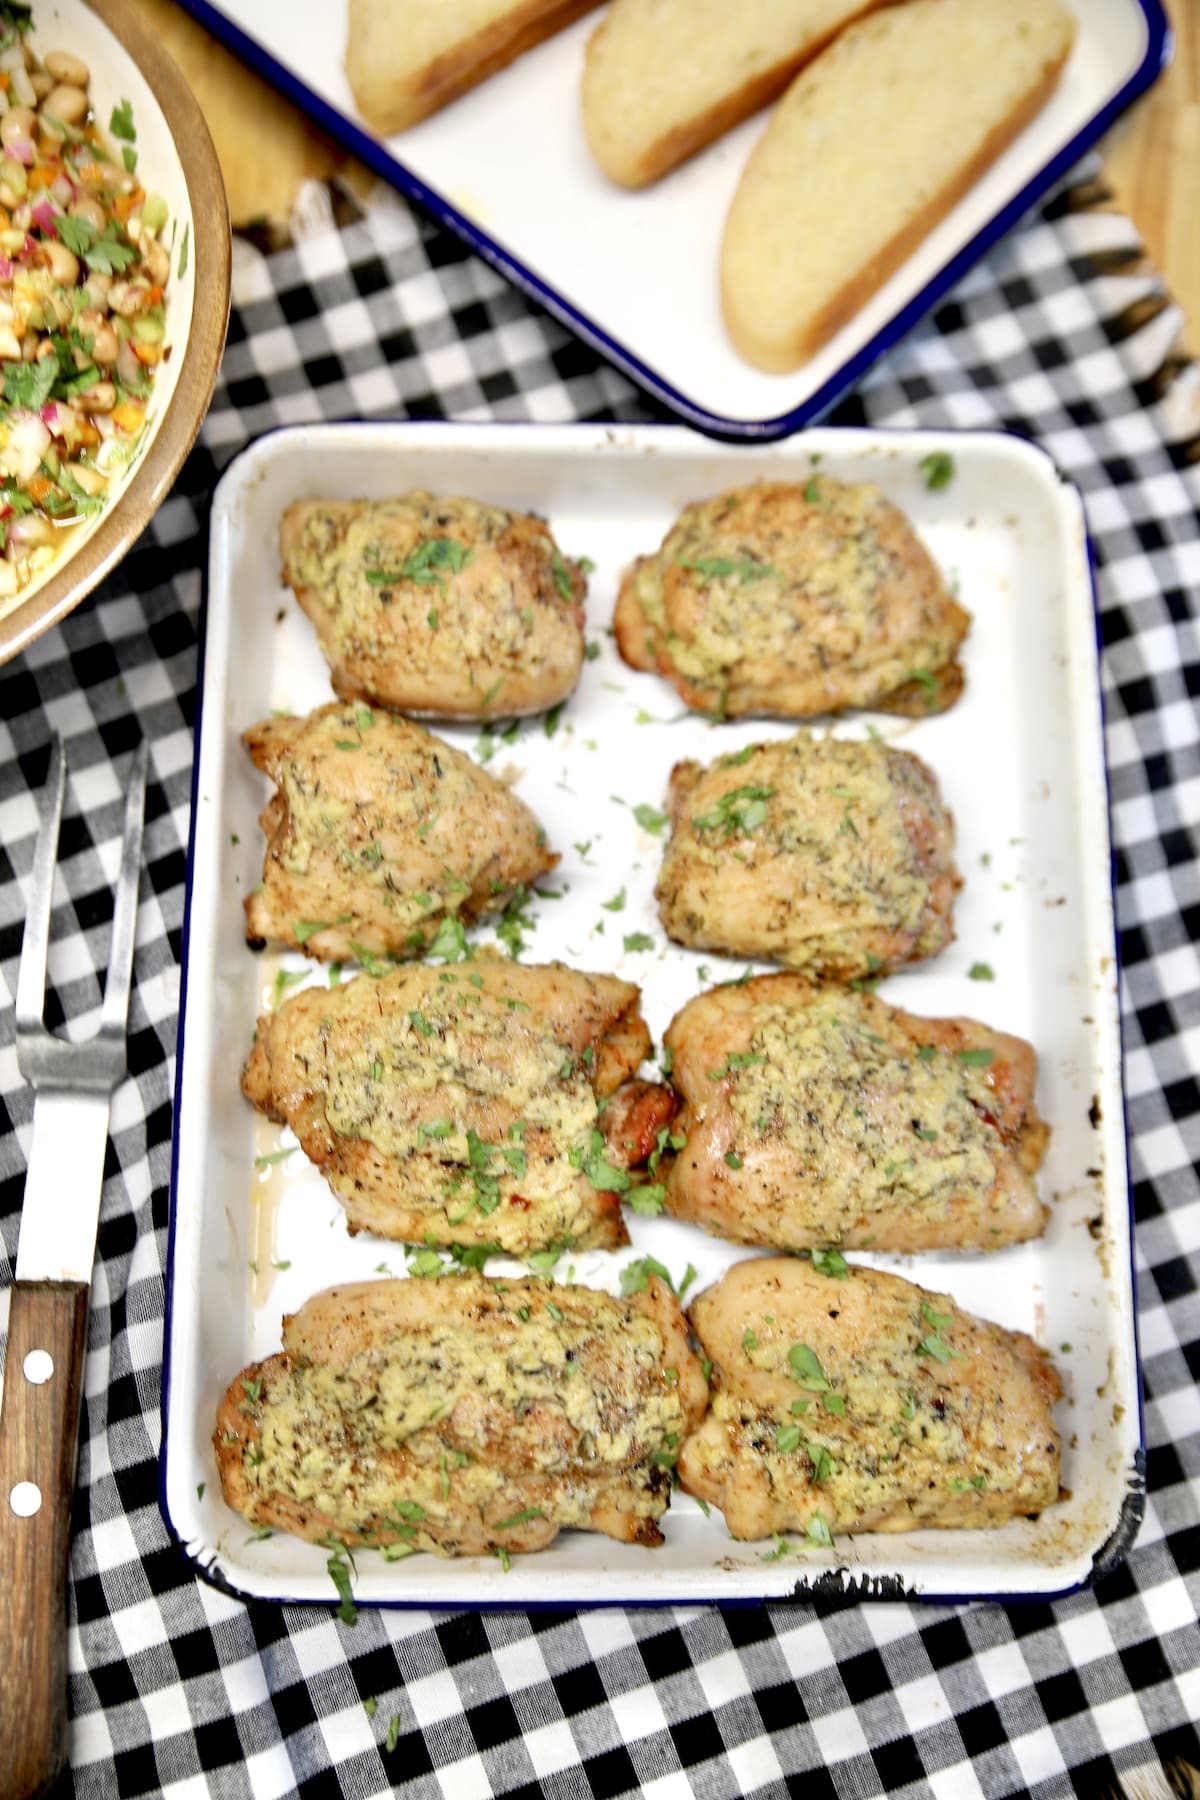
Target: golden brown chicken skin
pixel 462 1105
pixel 864 1403
pixel 464 1415
pixel 379 834
pixel 792 600
pixel 818 1116
pixel 826 854
pixel 437 605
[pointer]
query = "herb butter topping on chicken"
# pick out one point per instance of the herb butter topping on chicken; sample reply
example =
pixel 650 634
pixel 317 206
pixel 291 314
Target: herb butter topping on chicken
pixel 442 606
pixel 462 1105
pixel 852 1400
pixel 464 1415
pixel 818 1116
pixel 830 855
pixel 794 600
pixel 380 836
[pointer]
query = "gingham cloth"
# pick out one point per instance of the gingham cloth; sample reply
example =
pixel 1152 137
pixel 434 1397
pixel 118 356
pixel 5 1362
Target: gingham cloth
pixel 177 1689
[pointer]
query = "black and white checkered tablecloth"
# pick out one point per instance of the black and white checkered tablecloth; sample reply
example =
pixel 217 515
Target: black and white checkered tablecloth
pixel 176 1689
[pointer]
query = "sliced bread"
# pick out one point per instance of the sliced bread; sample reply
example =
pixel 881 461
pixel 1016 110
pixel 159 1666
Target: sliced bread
pixel 665 77
pixel 407 58
pixel 870 147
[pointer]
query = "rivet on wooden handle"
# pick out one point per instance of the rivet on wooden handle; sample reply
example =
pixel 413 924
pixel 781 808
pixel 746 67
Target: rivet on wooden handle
pixel 43 1373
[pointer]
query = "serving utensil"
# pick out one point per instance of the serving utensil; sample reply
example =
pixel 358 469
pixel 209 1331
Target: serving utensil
pixel 47 1324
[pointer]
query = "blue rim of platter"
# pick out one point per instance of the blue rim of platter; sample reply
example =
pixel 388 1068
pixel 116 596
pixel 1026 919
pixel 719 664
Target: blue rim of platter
pixel 371 151
pixel 832 1587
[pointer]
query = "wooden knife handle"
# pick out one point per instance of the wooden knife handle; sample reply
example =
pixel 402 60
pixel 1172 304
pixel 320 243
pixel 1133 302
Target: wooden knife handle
pixel 39 1418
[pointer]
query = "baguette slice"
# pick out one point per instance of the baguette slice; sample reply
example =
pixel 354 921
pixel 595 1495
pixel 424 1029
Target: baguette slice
pixel 665 77
pixel 407 58
pixel 870 147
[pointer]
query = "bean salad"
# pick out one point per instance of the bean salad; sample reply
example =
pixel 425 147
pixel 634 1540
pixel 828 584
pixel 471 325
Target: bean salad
pixel 84 270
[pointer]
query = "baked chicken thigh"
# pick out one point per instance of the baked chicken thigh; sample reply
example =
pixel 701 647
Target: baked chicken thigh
pixel 819 1116
pixel 462 1105
pixel 864 1403
pixel 378 834
pixel 792 601
pixel 830 855
pixel 441 606
pixel 464 1415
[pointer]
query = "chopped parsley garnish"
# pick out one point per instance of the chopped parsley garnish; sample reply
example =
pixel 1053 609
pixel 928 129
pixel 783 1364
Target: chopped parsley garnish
pixel 732 1159
pixel 981 971
pixel 450 942
pixel 121 122
pixel 275 1156
pixel 749 1340
pixel 562 575
pixel 938 1320
pixel 339 1565
pixel 923 679
pixel 936 1346
pixel 638 940
pixel 284 979
pixel 616 904
pixel 806 1368
pixel 926 1135
pixel 812 492
pixel 28 385
pixel 720 568
pixel 550 721
pixel 741 810
pixel 787 1439
pixel 650 819
pixel 818 1530
pixel 514 922
pixel 937 469
pixel 648 1200
pixel 737 1059
pixel 832 1263
pixel 521 1518
pixel 636 1275
pixel 975 1059
pixel 600 1172
pixel 822 1462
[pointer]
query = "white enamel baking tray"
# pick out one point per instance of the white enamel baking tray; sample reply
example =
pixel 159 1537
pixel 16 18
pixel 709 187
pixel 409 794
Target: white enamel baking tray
pixel 1020 761
pixel 507 168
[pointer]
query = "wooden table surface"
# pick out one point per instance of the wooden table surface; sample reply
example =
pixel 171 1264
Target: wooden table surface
pixel 1152 155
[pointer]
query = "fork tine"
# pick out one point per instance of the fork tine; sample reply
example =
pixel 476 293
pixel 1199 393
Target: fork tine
pixel 31 981
pixel 115 1010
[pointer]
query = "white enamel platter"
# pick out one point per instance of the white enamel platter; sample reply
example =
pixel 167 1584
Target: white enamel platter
pixel 507 168
pixel 1020 761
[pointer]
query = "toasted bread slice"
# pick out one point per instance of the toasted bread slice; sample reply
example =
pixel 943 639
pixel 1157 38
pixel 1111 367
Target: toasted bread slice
pixel 407 58
pixel 870 147
pixel 665 77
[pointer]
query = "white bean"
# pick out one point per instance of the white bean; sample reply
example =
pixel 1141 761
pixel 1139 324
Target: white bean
pixel 62 263
pixel 69 104
pixel 105 343
pixel 89 210
pixel 99 399
pixel 18 122
pixel 129 298
pixel 65 67
pixel 156 259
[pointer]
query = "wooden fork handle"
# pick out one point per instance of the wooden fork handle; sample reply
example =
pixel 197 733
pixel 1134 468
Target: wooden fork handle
pixel 39 1418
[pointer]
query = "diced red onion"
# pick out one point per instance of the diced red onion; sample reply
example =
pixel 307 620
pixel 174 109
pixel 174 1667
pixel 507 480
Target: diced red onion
pixel 22 151
pixel 43 215
pixel 6 268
